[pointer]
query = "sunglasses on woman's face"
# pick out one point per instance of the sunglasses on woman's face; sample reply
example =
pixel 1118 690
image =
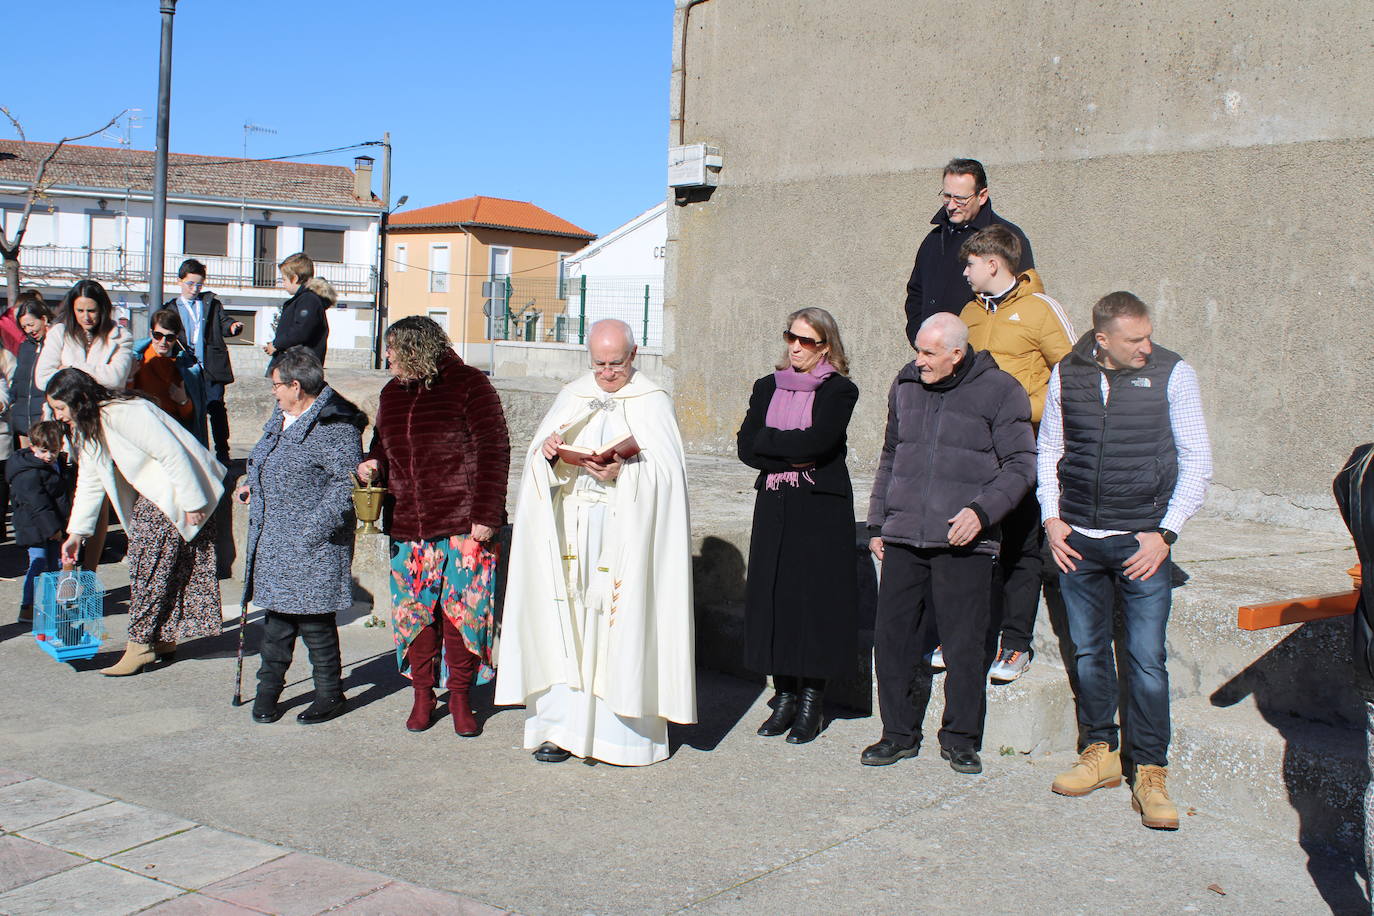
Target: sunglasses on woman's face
pixel 164 335
pixel 810 343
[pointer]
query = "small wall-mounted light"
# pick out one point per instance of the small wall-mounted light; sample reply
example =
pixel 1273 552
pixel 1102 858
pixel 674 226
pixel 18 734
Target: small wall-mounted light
pixel 266 214
pixel 101 203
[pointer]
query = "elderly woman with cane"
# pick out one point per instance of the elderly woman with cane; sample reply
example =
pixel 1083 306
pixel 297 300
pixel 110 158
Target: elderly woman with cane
pixel 800 614
pixel 164 485
pixel 442 448
pixel 299 491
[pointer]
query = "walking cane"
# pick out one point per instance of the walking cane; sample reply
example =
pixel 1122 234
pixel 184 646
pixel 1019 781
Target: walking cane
pixel 238 673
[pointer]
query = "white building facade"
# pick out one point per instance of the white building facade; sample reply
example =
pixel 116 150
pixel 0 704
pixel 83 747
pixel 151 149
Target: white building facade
pixel 620 275
pixel 95 221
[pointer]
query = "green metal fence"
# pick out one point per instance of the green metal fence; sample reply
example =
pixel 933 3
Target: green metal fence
pixel 545 310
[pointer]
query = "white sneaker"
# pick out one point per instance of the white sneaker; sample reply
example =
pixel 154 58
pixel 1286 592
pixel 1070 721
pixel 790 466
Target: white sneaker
pixel 937 658
pixel 1010 664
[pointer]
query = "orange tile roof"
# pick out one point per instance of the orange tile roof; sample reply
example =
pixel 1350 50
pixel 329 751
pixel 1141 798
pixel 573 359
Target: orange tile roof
pixel 490 212
pixel 226 177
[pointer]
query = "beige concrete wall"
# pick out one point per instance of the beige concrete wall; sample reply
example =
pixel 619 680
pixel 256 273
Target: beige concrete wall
pixel 1204 155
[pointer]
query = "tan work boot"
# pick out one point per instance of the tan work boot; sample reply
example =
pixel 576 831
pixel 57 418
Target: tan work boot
pixel 1098 767
pixel 1150 798
pixel 136 655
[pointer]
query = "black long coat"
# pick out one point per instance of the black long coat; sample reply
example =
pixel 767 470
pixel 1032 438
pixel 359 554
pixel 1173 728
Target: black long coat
pixel 801 614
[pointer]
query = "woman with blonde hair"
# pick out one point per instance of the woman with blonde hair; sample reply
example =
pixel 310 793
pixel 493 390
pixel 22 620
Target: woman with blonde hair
pixel 441 446
pixel 801 620
pixel 304 318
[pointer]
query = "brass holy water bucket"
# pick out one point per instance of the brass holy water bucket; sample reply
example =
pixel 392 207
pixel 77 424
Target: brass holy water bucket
pixel 367 502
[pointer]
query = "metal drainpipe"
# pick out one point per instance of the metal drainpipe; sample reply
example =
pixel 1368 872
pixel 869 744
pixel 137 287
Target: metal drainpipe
pixel 682 70
pixel 164 108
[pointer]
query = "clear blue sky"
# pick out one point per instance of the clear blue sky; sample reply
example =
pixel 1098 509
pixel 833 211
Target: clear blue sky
pixel 561 103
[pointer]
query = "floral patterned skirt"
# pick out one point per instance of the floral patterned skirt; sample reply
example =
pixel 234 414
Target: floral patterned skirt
pixel 456 574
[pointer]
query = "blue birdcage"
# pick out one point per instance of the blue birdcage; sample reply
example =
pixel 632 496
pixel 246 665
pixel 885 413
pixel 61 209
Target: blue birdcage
pixel 69 616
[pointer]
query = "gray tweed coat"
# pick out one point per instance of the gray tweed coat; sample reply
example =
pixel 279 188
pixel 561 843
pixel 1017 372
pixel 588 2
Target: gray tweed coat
pixel 300 513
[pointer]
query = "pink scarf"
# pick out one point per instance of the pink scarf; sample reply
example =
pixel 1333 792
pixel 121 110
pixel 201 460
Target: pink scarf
pixel 790 408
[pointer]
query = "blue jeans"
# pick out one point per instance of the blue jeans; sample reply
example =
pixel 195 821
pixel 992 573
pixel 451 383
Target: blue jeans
pixel 1089 602
pixel 41 559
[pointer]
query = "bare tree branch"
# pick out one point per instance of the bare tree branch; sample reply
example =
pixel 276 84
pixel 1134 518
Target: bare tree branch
pixel 10 247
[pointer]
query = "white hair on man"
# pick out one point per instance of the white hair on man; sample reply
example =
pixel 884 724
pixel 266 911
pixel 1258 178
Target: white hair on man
pixel 953 332
pixel 606 326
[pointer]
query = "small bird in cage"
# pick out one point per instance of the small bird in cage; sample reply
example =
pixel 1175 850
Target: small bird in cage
pixel 69 615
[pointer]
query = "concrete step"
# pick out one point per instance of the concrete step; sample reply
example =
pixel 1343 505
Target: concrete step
pixel 1272 771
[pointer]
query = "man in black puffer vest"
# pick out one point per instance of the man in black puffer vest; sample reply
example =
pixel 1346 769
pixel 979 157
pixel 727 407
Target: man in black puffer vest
pixel 1124 461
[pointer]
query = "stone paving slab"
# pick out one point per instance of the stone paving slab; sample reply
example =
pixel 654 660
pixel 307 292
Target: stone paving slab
pixel 296 885
pixel 24 861
pixel 95 888
pixel 195 858
pixel 196 905
pixel 396 898
pixel 106 830
pixel 35 801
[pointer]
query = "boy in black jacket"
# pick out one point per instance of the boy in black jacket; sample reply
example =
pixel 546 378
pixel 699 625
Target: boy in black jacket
pixel 40 493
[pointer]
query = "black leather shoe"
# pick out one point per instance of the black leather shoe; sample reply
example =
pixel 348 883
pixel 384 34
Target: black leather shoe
pixel 265 709
pixel 887 751
pixel 548 752
pixel 807 725
pixel 323 711
pixel 784 712
pixel 962 759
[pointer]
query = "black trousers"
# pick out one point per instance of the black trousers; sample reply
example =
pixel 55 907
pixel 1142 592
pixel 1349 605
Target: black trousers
pixel 321 638
pixel 1023 564
pixel 218 416
pixel 956 587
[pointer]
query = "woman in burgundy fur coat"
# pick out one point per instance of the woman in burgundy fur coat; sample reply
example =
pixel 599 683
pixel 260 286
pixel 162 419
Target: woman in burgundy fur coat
pixel 442 448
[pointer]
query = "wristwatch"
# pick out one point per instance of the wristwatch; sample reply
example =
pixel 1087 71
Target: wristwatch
pixel 1169 536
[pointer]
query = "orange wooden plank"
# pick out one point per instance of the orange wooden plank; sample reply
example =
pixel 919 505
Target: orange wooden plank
pixel 1296 610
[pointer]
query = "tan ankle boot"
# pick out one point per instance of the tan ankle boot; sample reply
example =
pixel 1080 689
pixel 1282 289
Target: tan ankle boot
pixel 161 648
pixel 1150 797
pixel 1098 767
pixel 136 655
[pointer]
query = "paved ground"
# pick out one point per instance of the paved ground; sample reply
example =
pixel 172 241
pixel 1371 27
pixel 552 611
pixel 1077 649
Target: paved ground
pixel 732 823
pixel 65 851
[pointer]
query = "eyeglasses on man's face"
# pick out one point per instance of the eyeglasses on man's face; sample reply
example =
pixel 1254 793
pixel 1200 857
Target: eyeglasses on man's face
pixel 809 343
pixel 164 335
pixel 614 367
pixel 959 199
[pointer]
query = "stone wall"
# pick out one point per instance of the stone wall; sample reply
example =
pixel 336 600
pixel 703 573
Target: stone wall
pixel 1207 156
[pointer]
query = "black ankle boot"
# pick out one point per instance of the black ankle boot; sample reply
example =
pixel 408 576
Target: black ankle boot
pixel 322 710
pixel 265 708
pixel 784 712
pixel 808 722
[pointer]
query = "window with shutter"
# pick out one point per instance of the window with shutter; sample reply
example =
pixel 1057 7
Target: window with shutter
pixel 324 245
pixel 205 239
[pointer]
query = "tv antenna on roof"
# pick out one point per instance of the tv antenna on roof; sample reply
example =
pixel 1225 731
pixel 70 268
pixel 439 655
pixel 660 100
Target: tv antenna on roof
pixel 244 257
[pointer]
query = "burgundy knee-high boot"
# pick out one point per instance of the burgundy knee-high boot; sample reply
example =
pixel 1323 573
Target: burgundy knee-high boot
pixel 423 655
pixel 462 668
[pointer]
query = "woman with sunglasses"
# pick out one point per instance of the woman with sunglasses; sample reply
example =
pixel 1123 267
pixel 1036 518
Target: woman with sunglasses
pixel 169 375
pixel 801 623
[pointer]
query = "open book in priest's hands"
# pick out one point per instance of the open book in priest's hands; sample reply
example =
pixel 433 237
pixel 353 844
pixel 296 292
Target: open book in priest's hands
pixel 621 447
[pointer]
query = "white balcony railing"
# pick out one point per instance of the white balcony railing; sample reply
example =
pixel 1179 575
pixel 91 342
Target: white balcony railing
pixel 121 269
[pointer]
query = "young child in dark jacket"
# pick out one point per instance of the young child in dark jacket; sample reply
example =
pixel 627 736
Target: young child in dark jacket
pixel 40 494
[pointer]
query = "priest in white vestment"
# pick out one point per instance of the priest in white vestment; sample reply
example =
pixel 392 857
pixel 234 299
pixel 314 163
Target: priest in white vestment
pixel 597 638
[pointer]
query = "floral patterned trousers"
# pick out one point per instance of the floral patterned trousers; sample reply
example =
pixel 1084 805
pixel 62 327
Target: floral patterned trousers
pixel 453 575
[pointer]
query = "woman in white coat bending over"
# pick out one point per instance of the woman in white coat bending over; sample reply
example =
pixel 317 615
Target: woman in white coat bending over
pixel 164 486
pixel 84 336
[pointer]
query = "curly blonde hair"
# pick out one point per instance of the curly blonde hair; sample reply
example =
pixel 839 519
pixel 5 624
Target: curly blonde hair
pixel 417 345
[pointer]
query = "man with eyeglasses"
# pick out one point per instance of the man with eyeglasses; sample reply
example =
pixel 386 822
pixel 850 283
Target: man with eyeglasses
pixel 597 640
pixel 937 281
pixel 205 324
